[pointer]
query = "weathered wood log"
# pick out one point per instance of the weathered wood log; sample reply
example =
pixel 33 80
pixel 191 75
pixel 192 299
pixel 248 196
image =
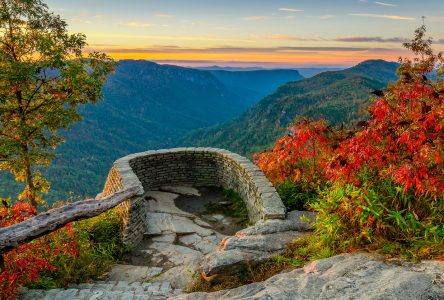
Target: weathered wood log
pixel 15 235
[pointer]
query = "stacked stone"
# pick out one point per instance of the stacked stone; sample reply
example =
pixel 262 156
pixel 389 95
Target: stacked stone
pixel 197 167
pixel 132 212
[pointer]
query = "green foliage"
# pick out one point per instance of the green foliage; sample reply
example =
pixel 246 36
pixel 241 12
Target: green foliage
pixel 100 246
pixel 379 213
pixel 296 195
pixel 237 208
pixel 44 79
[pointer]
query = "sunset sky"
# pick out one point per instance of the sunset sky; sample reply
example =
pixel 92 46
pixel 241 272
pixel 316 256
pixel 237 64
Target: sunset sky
pixel 266 33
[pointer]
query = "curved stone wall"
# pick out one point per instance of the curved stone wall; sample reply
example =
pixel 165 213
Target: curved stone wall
pixel 191 166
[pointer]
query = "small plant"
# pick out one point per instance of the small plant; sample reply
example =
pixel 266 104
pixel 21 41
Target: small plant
pixel 236 208
pixel 238 205
pixel 296 195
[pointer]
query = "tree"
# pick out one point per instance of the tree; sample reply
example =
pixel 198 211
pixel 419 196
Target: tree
pixel 44 78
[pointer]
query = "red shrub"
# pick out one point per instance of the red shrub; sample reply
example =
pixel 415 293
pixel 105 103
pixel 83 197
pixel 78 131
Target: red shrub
pixel 302 155
pixel 404 139
pixel 25 264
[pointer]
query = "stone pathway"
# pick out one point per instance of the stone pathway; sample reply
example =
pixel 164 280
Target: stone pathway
pixel 118 290
pixel 176 241
pixel 166 261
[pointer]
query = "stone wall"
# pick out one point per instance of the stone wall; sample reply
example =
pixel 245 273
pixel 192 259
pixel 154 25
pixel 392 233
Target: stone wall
pixel 191 166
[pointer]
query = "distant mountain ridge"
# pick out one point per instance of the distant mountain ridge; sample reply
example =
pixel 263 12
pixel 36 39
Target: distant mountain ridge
pixel 255 85
pixel 337 96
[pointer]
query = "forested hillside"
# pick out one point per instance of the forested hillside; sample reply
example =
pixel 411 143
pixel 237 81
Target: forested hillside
pixel 337 96
pixel 145 106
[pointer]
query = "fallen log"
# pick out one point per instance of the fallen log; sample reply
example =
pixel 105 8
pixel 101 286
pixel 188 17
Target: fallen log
pixel 44 223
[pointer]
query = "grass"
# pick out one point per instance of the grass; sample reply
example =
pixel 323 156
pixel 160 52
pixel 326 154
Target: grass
pixel 415 250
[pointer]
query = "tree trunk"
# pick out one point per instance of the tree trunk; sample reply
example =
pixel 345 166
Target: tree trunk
pixel 29 177
pixel 44 223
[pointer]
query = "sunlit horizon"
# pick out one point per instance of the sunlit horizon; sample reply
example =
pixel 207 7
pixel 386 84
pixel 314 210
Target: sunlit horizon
pixel 256 33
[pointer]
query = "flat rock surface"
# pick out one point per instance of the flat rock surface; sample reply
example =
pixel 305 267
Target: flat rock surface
pixel 348 276
pixel 255 244
pixel 163 202
pixel 176 240
pixel 130 273
pixel 181 190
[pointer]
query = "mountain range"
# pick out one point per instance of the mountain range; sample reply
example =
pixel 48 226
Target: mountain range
pixel 255 85
pixel 336 96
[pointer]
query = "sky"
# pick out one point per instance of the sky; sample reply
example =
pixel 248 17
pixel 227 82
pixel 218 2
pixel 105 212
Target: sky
pixel 252 33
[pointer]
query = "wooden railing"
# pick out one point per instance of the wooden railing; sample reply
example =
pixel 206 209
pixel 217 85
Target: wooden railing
pixel 47 222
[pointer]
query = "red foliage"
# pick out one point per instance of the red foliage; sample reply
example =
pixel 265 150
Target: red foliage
pixel 302 155
pixel 403 140
pixel 25 264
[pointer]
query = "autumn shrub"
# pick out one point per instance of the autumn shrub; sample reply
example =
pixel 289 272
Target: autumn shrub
pixel 297 163
pixel 79 252
pixel 384 182
pixel 24 264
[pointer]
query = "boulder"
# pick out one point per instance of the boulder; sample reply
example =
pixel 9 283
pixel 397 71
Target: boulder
pixel 348 276
pixel 255 244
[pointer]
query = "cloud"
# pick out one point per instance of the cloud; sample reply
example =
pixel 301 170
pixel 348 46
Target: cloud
pixel 391 17
pixel 364 39
pixel 167 37
pixel 137 24
pixel 284 37
pixel 385 4
pixel 164 16
pixel 325 17
pixel 435 18
pixel 256 18
pixel 82 21
pixel 81 17
pixel 290 9
pixel 236 50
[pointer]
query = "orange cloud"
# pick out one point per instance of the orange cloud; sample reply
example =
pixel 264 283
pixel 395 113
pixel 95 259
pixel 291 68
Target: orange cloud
pixel 137 24
pixel 391 17
pixel 256 18
pixel 330 56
